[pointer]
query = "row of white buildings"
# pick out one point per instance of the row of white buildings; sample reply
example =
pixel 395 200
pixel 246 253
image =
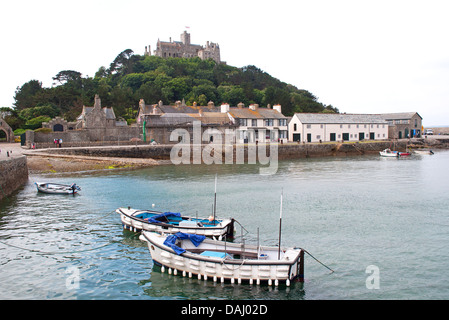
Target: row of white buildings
pixel 260 124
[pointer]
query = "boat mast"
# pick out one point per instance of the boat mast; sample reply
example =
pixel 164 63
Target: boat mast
pixel 280 226
pixel 215 198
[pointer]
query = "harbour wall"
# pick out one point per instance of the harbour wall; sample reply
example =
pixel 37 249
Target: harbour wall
pixel 284 151
pixel 13 175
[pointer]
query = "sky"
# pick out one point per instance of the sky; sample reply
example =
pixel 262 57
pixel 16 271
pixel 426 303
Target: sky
pixel 361 56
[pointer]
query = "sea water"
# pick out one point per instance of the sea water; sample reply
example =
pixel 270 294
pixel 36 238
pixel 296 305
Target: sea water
pixel 381 224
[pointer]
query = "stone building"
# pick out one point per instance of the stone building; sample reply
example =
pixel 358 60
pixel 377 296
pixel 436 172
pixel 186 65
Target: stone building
pixel 158 121
pixel 96 116
pixel 59 124
pixel 185 49
pixel 6 129
pixel 403 125
pixel 95 125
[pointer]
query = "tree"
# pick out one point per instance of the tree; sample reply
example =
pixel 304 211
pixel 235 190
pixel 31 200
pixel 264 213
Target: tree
pixel 67 76
pixel 123 63
pixel 25 96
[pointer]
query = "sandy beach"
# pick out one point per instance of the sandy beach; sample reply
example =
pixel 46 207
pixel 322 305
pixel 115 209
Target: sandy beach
pixel 40 162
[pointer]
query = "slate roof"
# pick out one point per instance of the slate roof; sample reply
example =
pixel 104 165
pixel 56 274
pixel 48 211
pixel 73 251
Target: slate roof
pixel 339 118
pixel 259 113
pixel 399 115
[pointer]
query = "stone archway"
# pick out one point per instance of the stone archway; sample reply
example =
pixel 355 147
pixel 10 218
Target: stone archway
pixel 7 129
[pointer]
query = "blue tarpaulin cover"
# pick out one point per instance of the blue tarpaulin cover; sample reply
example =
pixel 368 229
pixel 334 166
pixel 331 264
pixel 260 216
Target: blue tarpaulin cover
pixel 156 218
pixel 171 240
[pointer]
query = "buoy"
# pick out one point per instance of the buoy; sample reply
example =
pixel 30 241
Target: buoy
pixel 153 205
pixel 169 270
pixel 215 278
pixel 184 273
pixel 287 283
pixel 250 281
pixel 232 280
pixel 276 282
pixel 199 276
pixel 258 281
pixel 205 277
pixel 175 272
pixel 190 274
pixel 270 282
pixel 222 280
pixel 162 269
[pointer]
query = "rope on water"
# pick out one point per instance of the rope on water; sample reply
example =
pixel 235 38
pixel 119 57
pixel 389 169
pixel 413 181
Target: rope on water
pixel 54 252
pixel 61 252
pixel 332 271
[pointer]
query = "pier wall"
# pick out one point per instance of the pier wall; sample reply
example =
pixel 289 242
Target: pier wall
pixel 13 175
pixel 285 151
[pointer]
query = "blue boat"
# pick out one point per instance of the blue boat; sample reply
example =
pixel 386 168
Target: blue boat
pixel 173 222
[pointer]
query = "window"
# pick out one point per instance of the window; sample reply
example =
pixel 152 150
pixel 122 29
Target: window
pixel 269 122
pixel 282 122
pixel 322 126
pixel 295 127
pixel 282 134
pixel 318 137
pixel 309 126
pixel 254 122
pixel 243 122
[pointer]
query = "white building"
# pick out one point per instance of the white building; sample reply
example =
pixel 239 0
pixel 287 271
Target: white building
pixel 323 127
pixel 258 124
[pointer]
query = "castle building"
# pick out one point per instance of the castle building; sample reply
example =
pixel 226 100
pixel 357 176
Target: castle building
pixel 185 49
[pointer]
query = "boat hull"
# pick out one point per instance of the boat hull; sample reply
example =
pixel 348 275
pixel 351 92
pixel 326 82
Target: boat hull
pixel 54 188
pixel 129 220
pixel 255 270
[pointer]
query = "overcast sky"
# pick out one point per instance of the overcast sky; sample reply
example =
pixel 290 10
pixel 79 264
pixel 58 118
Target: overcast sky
pixel 359 56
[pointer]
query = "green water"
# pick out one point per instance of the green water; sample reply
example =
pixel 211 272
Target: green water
pixel 350 213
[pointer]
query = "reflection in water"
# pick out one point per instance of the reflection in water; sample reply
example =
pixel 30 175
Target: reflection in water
pixel 348 212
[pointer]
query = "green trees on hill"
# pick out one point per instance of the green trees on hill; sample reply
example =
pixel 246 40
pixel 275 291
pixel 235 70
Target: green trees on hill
pixel 131 77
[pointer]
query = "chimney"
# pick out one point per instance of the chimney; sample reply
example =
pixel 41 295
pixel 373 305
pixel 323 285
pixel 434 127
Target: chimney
pixel 160 103
pixel 278 108
pixel 194 104
pixel 177 104
pixel 268 106
pixel 241 105
pixel 254 107
pixel 224 108
pixel 97 104
pixel 211 104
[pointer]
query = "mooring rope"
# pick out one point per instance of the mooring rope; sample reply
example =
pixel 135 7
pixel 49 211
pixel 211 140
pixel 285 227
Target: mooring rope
pixel 61 252
pixel 332 271
pixel 54 252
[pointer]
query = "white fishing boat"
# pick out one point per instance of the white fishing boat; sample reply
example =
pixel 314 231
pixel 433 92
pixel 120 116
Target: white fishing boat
pixel 388 153
pixel 56 188
pixel 172 222
pixel 423 151
pixel 197 256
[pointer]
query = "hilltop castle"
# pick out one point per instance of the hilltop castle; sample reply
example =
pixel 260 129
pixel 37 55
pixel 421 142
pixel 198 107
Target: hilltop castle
pixel 184 49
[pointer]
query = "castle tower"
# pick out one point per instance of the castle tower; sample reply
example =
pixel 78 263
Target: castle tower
pixel 185 38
